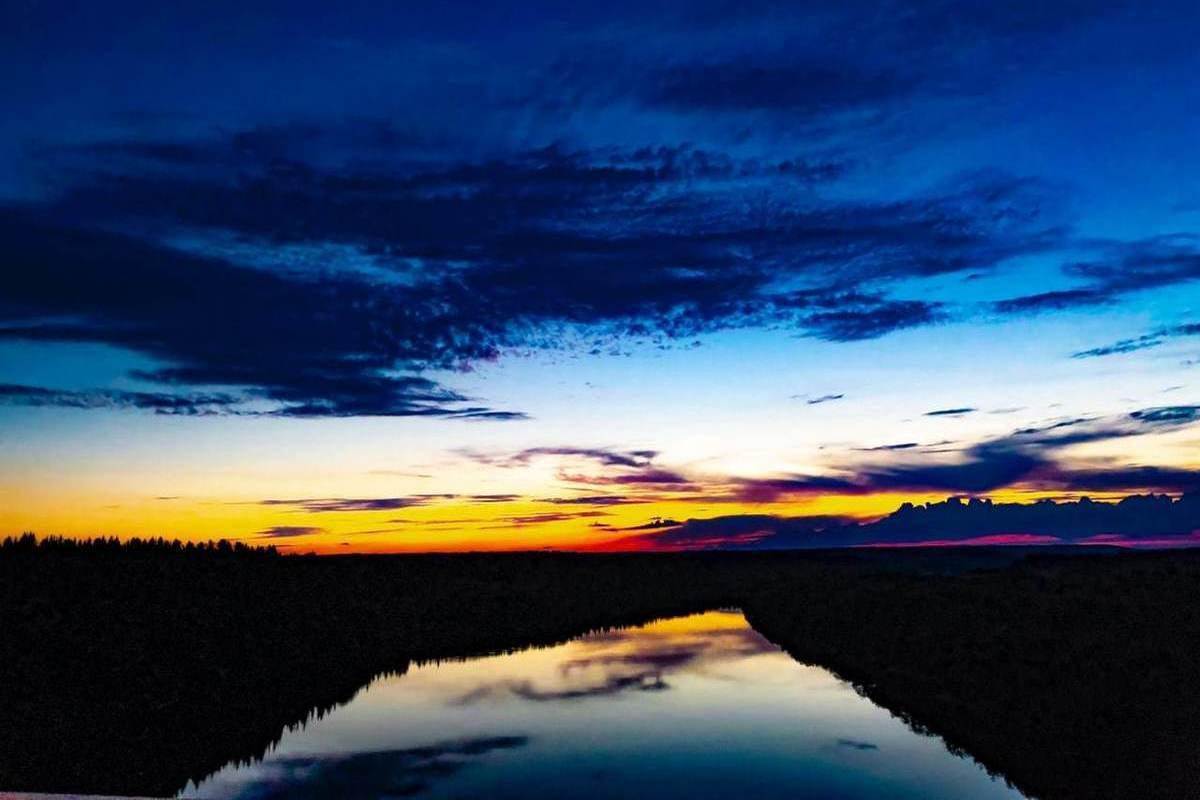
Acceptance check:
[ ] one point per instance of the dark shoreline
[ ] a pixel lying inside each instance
(133, 670)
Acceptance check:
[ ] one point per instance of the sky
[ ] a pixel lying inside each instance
(340, 277)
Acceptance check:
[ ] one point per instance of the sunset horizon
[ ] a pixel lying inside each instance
(409, 281)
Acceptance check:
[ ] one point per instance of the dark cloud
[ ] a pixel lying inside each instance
(768, 490)
(1169, 415)
(1137, 518)
(855, 744)
(185, 404)
(1122, 479)
(1143, 264)
(1143, 342)
(339, 504)
(658, 523)
(616, 468)
(951, 412)
(482, 413)
(288, 531)
(646, 681)
(596, 500)
(984, 467)
(829, 67)
(602, 456)
(327, 347)
(733, 532)
(1054, 301)
(980, 468)
(1118, 269)
(552, 516)
(328, 286)
(645, 475)
(825, 398)
(1081, 430)
(870, 318)
(493, 498)
(1026, 456)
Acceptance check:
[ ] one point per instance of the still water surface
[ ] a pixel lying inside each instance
(696, 707)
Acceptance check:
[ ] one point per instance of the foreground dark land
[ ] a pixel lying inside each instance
(132, 669)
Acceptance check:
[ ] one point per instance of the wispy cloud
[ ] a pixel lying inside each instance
(1143, 342)
(1119, 268)
(819, 399)
(288, 532)
(951, 412)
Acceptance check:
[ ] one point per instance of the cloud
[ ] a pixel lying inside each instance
(731, 532)
(951, 412)
(551, 516)
(596, 500)
(493, 498)
(393, 773)
(604, 456)
(610, 467)
(645, 681)
(1123, 479)
(855, 744)
(841, 68)
(825, 398)
(985, 467)
(1118, 269)
(643, 475)
(980, 468)
(327, 347)
(870, 318)
(1169, 415)
(187, 404)
(1054, 301)
(1143, 342)
(330, 286)
(1081, 430)
(1028, 455)
(1154, 519)
(288, 531)
(481, 413)
(319, 505)
(657, 523)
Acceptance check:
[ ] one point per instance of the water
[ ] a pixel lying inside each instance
(693, 707)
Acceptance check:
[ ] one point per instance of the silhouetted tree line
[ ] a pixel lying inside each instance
(30, 543)
(1072, 675)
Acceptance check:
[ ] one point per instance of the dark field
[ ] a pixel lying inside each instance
(133, 669)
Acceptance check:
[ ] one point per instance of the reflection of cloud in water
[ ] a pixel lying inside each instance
(637, 659)
(855, 744)
(384, 773)
(643, 681)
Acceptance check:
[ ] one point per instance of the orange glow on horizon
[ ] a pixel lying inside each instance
(441, 526)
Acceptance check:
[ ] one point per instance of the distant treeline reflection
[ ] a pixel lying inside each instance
(133, 667)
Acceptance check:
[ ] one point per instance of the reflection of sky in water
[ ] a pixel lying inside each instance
(699, 706)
